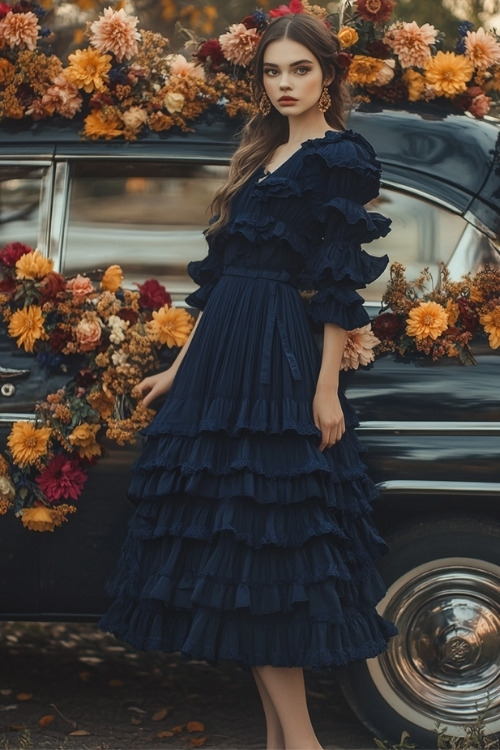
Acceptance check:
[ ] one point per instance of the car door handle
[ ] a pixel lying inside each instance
(8, 373)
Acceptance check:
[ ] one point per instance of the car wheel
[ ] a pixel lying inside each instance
(443, 579)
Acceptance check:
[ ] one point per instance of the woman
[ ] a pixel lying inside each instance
(251, 540)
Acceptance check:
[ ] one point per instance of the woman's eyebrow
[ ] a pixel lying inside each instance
(292, 65)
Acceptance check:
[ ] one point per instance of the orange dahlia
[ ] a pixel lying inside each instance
(103, 123)
(448, 73)
(112, 279)
(364, 70)
(427, 320)
(491, 323)
(26, 326)
(33, 266)
(88, 69)
(28, 443)
(171, 326)
(83, 438)
(39, 518)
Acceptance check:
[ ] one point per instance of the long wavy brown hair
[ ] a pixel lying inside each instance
(262, 135)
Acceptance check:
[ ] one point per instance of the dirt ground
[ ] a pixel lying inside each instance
(69, 687)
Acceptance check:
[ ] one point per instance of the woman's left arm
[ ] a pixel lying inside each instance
(327, 411)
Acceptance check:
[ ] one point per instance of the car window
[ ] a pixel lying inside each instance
(20, 196)
(422, 234)
(147, 217)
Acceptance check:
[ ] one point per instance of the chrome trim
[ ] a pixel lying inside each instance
(174, 158)
(59, 214)
(13, 160)
(10, 418)
(424, 487)
(421, 194)
(44, 210)
(462, 428)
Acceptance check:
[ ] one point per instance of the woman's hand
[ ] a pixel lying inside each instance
(328, 416)
(156, 385)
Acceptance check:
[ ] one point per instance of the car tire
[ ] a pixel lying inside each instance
(442, 672)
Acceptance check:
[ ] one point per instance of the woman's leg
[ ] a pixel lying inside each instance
(275, 737)
(286, 691)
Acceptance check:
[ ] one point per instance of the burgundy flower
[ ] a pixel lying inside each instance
(468, 314)
(377, 48)
(386, 326)
(375, 10)
(12, 252)
(128, 314)
(52, 285)
(250, 22)
(285, 10)
(153, 295)
(7, 284)
(343, 60)
(210, 51)
(99, 101)
(85, 378)
(4, 9)
(63, 479)
(58, 340)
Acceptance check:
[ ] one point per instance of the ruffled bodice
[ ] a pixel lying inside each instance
(307, 218)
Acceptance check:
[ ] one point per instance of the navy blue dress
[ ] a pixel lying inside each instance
(247, 542)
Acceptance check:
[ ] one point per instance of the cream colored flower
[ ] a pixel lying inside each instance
(179, 66)
(482, 49)
(135, 118)
(386, 73)
(115, 32)
(239, 43)
(411, 42)
(174, 101)
(20, 30)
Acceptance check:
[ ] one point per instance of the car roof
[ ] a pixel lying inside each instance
(426, 148)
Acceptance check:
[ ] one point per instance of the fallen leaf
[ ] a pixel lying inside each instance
(46, 720)
(10, 707)
(161, 714)
(195, 726)
(136, 721)
(6, 691)
(79, 733)
(117, 683)
(136, 709)
(84, 676)
(178, 729)
(197, 741)
(164, 735)
(24, 696)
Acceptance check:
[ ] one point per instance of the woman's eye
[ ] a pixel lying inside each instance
(302, 71)
(270, 72)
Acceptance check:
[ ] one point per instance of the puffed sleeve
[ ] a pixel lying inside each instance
(344, 175)
(206, 273)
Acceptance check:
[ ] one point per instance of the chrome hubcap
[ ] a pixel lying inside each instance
(445, 664)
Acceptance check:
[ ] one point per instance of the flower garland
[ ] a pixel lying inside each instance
(127, 81)
(110, 338)
(416, 323)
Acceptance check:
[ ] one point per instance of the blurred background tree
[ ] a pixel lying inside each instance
(207, 19)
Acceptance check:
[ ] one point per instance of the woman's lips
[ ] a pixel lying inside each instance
(287, 100)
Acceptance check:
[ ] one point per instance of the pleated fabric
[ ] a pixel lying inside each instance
(248, 543)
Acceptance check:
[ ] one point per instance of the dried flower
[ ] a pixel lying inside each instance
(491, 323)
(39, 518)
(115, 32)
(88, 333)
(112, 278)
(83, 438)
(27, 442)
(358, 349)
(81, 288)
(62, 97)
(153, 295)
(482, 49)
(480, 105)
(239, 44)
(88, 69)
(103, 123)
(11, 253)
(415, 83)
(364, 70)
(375, 10)
(174, 101)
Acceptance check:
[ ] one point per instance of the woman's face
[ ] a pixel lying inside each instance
(292, 77)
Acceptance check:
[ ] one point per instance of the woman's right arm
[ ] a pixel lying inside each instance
(157, 385)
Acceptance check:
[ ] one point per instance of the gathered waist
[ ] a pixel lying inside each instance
(260, 273)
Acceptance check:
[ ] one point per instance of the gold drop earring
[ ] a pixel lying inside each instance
(325, 100)
(265, 104)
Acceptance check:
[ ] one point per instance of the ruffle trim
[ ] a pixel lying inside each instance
(340, 305)
(276, 640)
(339, 263)
(365, 226)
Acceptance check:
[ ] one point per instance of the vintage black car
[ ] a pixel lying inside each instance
(431, 429)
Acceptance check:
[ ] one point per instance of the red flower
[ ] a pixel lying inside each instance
(52, 285)
(12, 252)
(153, 295)
(210, 51)
(58, 340)
(85, 378)
(377, 48)
(7, 284)
(386, 326)
(375, 10)
(63, 479)
(285, 10)
(468, 314)
(4, 9)
(128, 314)
(343, 60)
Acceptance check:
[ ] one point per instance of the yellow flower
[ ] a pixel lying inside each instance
(83, 438)
(39, 519)
(26, 326)
(28, 443)
(4, 467)
(88, 69)
(33, 266)
(103, 123)
(171, 326)
(347, 37)
(448, 73)
(364, 70)
(491, 323)
(7, 71)
(428, 320)
(415, 83)
(453, 311)
(112, 279)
